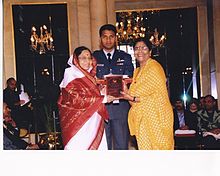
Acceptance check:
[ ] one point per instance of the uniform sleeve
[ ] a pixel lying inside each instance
(129, 68)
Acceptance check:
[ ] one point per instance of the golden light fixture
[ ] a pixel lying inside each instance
(44, 42)
(130, 27)
(156, 41)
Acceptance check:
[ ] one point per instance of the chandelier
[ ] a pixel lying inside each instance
(135, 24)
(44, 42)
(130, 26)
(156, 41)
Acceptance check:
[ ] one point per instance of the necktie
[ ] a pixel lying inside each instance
(109, 58)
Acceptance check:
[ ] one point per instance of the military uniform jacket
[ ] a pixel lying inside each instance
(121, 64)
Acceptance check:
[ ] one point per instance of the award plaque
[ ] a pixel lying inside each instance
(114, 85)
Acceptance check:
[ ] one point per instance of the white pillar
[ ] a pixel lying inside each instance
(204, 64)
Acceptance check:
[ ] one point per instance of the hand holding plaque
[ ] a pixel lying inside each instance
(114, 84)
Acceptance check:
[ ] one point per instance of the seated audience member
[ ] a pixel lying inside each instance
(21, 114)
(193, 106)
(184, 120)
(11, 139)
(209, 124)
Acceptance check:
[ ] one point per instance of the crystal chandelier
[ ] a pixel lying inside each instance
(136, 24)
(130, 27)
(44, 42)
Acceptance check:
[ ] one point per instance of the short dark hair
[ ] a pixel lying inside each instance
(210, 97)
(195, 101)
(109, 27)
(9, 80)
(80, 49)
(178, 98)
(145, 41)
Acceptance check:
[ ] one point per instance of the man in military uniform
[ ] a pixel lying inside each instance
(112, 61)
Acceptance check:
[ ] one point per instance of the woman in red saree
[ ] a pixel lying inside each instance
(81, 108)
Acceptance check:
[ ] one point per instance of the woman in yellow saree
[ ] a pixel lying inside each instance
(150, 118)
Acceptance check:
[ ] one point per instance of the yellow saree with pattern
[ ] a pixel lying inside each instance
(151, 119)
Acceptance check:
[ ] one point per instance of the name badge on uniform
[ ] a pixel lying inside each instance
(100, 65)
(120, 60)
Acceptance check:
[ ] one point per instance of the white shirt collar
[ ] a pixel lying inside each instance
(112, 52)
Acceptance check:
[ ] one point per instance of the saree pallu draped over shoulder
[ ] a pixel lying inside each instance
(81, 109)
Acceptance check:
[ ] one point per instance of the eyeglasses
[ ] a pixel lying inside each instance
(141, 48)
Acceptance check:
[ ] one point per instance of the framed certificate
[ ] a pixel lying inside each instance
(114, 85)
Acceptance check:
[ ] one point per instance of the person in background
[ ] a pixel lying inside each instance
(11, 139)
(193, 106)
(185, 120)
(81, 108)
(21, 114)
(151, 115)
(209, 124)
(112, 61)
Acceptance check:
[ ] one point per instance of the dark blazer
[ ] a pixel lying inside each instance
(21, 114)
(121, 64)
(10, 97)
(10, 133)
(190, 120)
